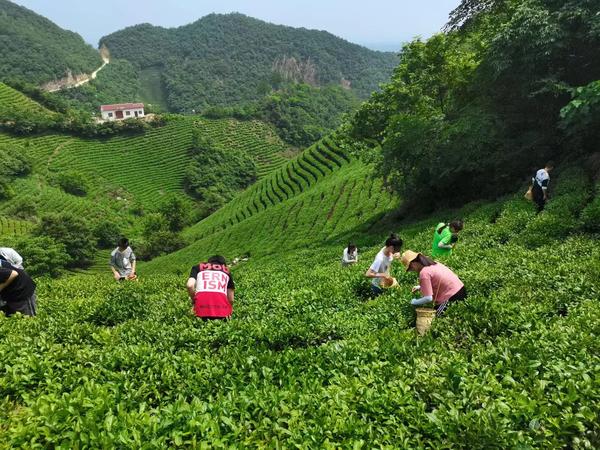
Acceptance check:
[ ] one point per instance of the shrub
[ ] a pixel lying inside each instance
(72, 182)
(73, 232)
(42, 256)
(107, 233)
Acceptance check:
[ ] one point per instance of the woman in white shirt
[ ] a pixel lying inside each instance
(350, 255)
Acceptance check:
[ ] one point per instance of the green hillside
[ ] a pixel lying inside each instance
(309, 361)
(15, 104)
(36, 50)
(135, 168)
(222, 60)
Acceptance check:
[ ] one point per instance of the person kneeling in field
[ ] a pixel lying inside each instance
(437, 283)
(380, 269)
(123, 262)
(211, 289)
(17, 290)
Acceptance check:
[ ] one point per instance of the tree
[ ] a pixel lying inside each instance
(71, 231)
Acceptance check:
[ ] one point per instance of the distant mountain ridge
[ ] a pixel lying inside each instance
(230, 59)
(34, 49)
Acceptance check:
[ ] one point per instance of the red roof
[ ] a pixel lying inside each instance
(121, 107)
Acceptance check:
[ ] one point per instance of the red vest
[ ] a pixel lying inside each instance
(211, 291)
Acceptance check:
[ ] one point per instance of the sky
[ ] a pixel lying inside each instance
(378, 24)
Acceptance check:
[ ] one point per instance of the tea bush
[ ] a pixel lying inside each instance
(308, 360)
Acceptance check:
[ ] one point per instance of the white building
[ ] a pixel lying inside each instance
(122, 111)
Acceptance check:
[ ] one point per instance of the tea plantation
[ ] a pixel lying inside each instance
(121, 172)
(308, 360)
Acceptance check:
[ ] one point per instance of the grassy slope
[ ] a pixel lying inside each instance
(136, 169)
(307, 361)
(11, 100)
(310, 200)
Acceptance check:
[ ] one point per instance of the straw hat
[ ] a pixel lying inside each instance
(407, 257)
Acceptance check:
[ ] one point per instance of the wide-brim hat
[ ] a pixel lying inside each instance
(407, 257)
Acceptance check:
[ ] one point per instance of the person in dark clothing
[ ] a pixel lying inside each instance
(539, 188)
(17, 290)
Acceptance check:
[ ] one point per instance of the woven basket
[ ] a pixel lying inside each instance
(425, 317)
(393, 283)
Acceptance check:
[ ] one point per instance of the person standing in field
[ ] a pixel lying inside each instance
(445, 237)
(123, 261)
(539, 188)
(380, 269)
(437, 282)
(350, 255)
(211, 289)
(17, 291)
(12, 257)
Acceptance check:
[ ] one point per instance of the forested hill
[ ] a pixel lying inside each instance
(232, 59)
(34, 49)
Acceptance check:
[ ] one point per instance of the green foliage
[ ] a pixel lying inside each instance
(43, 256)
(303, 114)
(176, 211)
(216, 173)
(117, 82)
(493, 87)
(71, 231)
(107, 233)
(14, 161)
(224, 60)
(513, 366)
(34, 49)
(72, 182)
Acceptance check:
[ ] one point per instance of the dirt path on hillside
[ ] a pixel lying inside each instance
(72, 81)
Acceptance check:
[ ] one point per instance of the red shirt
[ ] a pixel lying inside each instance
(212, 283)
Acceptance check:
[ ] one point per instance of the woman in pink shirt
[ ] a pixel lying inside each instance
(437, 283)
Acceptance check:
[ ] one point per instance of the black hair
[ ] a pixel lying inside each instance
(123, 242)
(550, 164)
(425, 261)
(457, 224)
(351, 247)
(394, 241)
(217, 259)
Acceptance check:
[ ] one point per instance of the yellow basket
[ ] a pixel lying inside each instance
(425, 317)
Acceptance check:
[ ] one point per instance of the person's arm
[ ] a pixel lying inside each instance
(133, 264)
(446, 241)
(11, 277)
(346, 256)
(372, 274)
(191, 288)
(230, 296)
(425, 288)
(112, 263)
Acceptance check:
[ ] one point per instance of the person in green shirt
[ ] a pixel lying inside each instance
(445, 237)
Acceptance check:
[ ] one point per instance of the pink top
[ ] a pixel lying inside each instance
(439, 282)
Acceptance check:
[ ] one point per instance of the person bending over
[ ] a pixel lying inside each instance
(123, 262)
(380, 269)
(445, 237)
(540, 182)
(17, 290)
(211, 289)
(350, 255)
(11, 256)
(437, 282)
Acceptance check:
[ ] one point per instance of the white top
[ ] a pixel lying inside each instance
(542, 178)
(12, 257)
(381, 264)
(349, 257)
